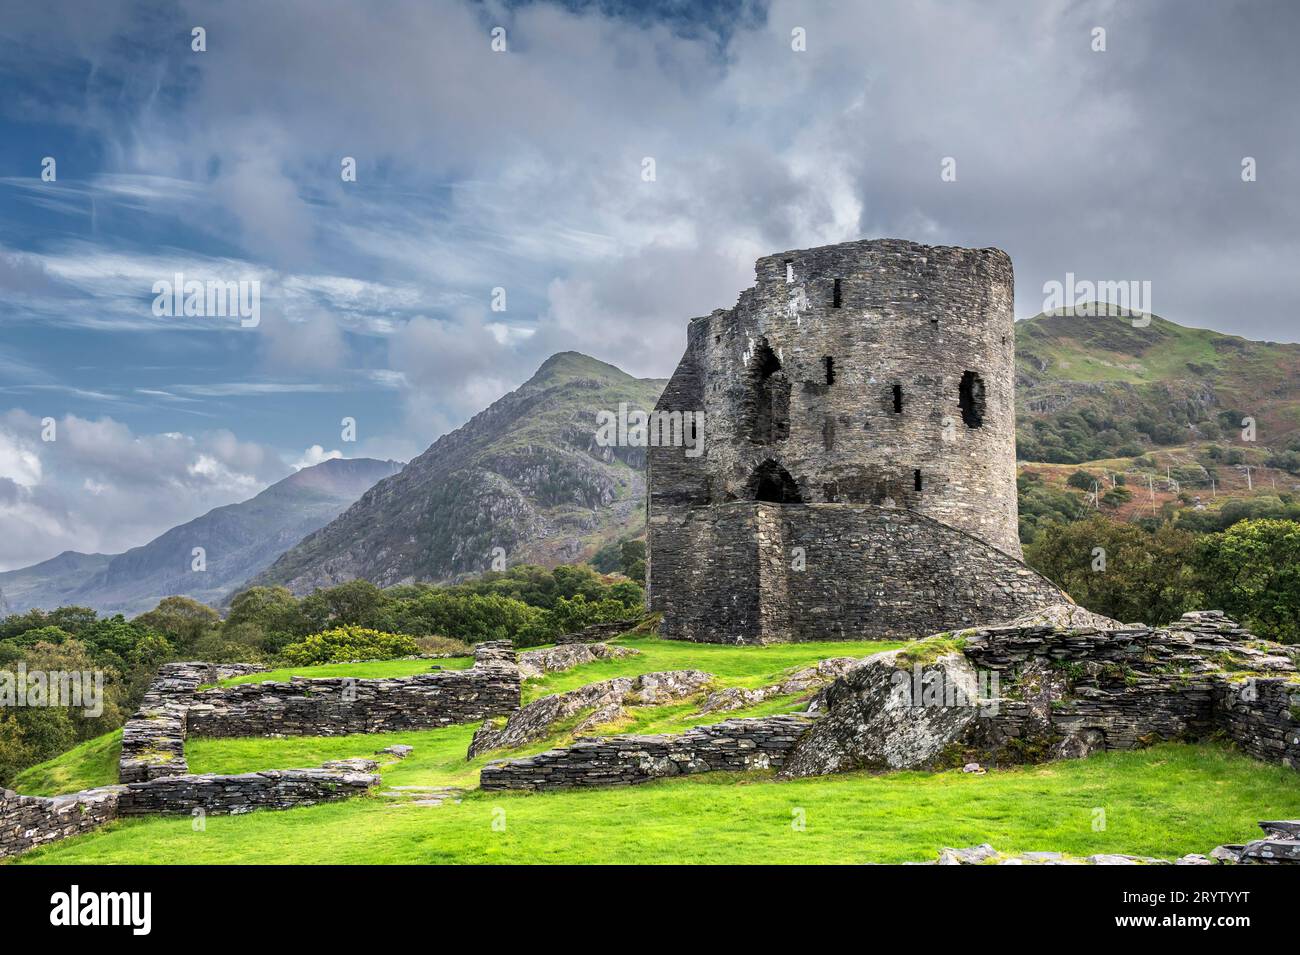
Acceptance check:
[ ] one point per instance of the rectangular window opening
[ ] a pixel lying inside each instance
(829, 364)
(835, 295)
(916, 479)
(898, 399)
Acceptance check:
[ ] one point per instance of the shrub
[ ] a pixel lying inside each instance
(444, 645)
(344, 644)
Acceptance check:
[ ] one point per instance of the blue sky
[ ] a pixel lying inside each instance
(522, 169)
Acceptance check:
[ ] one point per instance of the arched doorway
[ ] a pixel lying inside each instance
(772, 484)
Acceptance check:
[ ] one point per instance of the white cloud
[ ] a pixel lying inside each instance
(315, 455)
(99, 487)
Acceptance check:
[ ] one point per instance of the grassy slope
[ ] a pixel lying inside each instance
(85, 766)
(1163, 801)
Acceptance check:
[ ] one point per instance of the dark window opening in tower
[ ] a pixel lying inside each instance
(772, 484)
(768, 397)
(828, 363)
(898, 399)
(916, 479)
(828, 433)
(971, 399)
(836, 301)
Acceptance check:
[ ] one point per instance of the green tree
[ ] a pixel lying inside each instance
(182, 620)
(1251, 572)
(1121, 570)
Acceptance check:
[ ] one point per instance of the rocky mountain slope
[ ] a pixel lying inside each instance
(525, 475)
(239, 540)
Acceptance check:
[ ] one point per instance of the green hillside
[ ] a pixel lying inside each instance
(1089, 388)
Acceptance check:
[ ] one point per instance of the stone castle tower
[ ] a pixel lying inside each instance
(858, 469)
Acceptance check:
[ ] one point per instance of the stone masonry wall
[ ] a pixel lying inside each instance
(30, 821)
(226, 795)
(907, 315)
(339, 706)
(1070, 692)
(730, 746)
(153, 740)
(867, 572)
(1262, 716)
(874, 375)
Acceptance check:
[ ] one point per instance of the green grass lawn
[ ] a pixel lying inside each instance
(1164, 801)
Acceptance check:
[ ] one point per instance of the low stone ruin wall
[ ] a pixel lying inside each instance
(597, 632)
(30, 821)
(1262, 716)
(339, 706)
(153, 741)
(230, 795)
(730, 746)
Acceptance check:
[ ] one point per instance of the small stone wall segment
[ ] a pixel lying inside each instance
(153, 741)
(730, 746)
(340, 706)
(1262, 716)
(232, 795)
(597, 632)
(30, 821)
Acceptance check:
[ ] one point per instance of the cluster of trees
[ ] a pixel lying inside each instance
(126, 654)
(1155, 572)
(526, 604)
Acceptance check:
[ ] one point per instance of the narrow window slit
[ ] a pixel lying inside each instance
(835, 295)
(829, 364)
(916, 479)
(898, 399)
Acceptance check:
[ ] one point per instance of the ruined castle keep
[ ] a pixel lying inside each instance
(858, 476)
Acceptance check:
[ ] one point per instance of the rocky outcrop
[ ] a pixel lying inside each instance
(535, 663)
(889, 712)
(730, 746)
(605, 701)
(1050, 692)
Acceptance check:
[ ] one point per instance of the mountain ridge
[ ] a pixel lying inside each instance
(239, 540)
